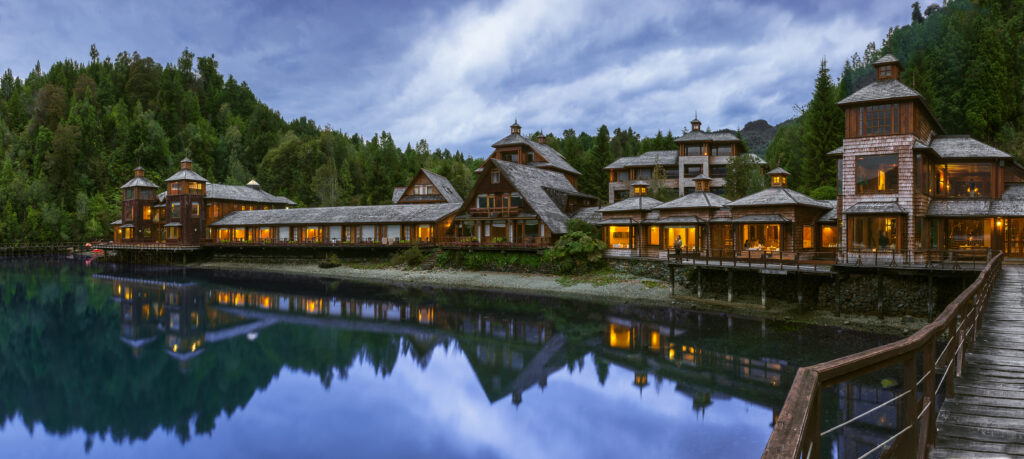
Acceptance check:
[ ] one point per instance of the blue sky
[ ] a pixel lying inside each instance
(457, 73)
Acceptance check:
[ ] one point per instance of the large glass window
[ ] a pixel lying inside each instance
(808, 237)
(619, 237)
(721, 237)
(761, 237)
(721, 150)
(175, 210)
(621, 194)
(719, 171)
(532, 228)
(671, 172)
(654, 236)
(692, 170)
(695, 150)
(644, 174)
(964, 180)
(283, 233)
(829, 236)
(874, 233)
(969, 233)
(481, 201)
(687, 236)
(877, 174)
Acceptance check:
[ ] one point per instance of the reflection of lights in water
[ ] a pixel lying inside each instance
(251, 336)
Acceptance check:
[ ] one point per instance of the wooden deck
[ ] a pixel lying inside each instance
(986, 416)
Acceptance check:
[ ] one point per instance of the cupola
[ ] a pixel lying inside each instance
(702, 183)
(140, 172)
(640, 188)
(695, 124)
(888, 67)
(253, 184)
(542, 139)
(516, 128)
(778, 177)
(186, 164)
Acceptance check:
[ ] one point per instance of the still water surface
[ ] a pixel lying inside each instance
(147, 362)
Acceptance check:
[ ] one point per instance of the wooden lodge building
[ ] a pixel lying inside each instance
(183, 214)
(699, 153)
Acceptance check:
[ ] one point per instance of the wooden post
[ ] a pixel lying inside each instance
(799, 290)
(700, 284)
(764, 292)
(729, 273)
(672, 277)
(905, 445)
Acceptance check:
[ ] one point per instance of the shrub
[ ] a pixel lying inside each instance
(410, 257)
(576, 252)
(582, 226)
(824, 192)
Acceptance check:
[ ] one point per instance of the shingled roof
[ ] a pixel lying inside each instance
(186, 174)
(397, 193)
(696, 200)
(534, 185)
(961, 147)
(633, 203)
(648, 159)
(960, 208)
(387, 213)
(444, 186)
(870, 207)
(553, 157)
(881, 90)
(702, 136)
(140, 182)
(243, 193)
(777, 196)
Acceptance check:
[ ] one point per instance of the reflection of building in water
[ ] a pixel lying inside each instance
(864, 434)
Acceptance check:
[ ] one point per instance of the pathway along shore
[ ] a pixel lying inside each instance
(619, 289)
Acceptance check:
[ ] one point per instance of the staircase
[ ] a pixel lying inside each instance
(430, 260)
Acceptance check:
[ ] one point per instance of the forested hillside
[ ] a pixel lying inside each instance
(965, 57)
(70, 136)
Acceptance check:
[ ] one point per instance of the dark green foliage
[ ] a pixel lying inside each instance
(70, 137)
(824, 132)
(915, 14)
(823, 192)
(743, 176)
(493, 261)
(412, 256)
(577, 225)
(577, 252)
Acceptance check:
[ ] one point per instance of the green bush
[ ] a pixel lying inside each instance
(582, 226)
(493, 261)
(410, 257)
(824, 192)
(577, 252)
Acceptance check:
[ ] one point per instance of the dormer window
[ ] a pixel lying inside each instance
(529, 157)
(495, 177)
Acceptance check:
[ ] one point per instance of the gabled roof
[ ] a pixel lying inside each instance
(531, 183)
(696, 200)
(703, 136)
(633, 203)
(648, 159)
(588, 214)
(140, 182)
(961, 147)
(837, 152)
(553, 157)
(888, 59)
(443, 186)
(243, 193)
(186, 174)
(881, 90)
(777, 196)
(397, 193)
(387, 213)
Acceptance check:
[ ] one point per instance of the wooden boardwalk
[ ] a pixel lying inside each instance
(986, 416)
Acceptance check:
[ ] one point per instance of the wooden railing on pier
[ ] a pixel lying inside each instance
(35, 248)
(798, 430)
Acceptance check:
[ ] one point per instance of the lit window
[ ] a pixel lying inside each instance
(878, 174)
(195, 209)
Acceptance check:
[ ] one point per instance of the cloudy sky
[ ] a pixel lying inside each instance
(457, 73)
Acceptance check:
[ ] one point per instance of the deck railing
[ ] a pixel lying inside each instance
(798, 430)
(765, 259)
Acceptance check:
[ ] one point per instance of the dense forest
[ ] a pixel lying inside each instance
(965, 57)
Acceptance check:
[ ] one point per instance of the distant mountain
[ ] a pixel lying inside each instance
(758, 134)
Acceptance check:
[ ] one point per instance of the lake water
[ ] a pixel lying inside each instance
(147, 362)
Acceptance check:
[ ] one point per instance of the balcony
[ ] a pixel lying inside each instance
(495, 211)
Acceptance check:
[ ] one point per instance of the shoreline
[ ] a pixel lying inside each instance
(623, 289)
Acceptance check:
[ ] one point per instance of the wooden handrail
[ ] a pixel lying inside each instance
(797, 429)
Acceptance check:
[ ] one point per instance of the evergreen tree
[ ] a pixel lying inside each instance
(915, 15)
(824, 122)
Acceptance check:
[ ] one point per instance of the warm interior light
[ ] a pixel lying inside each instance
(881, 180)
